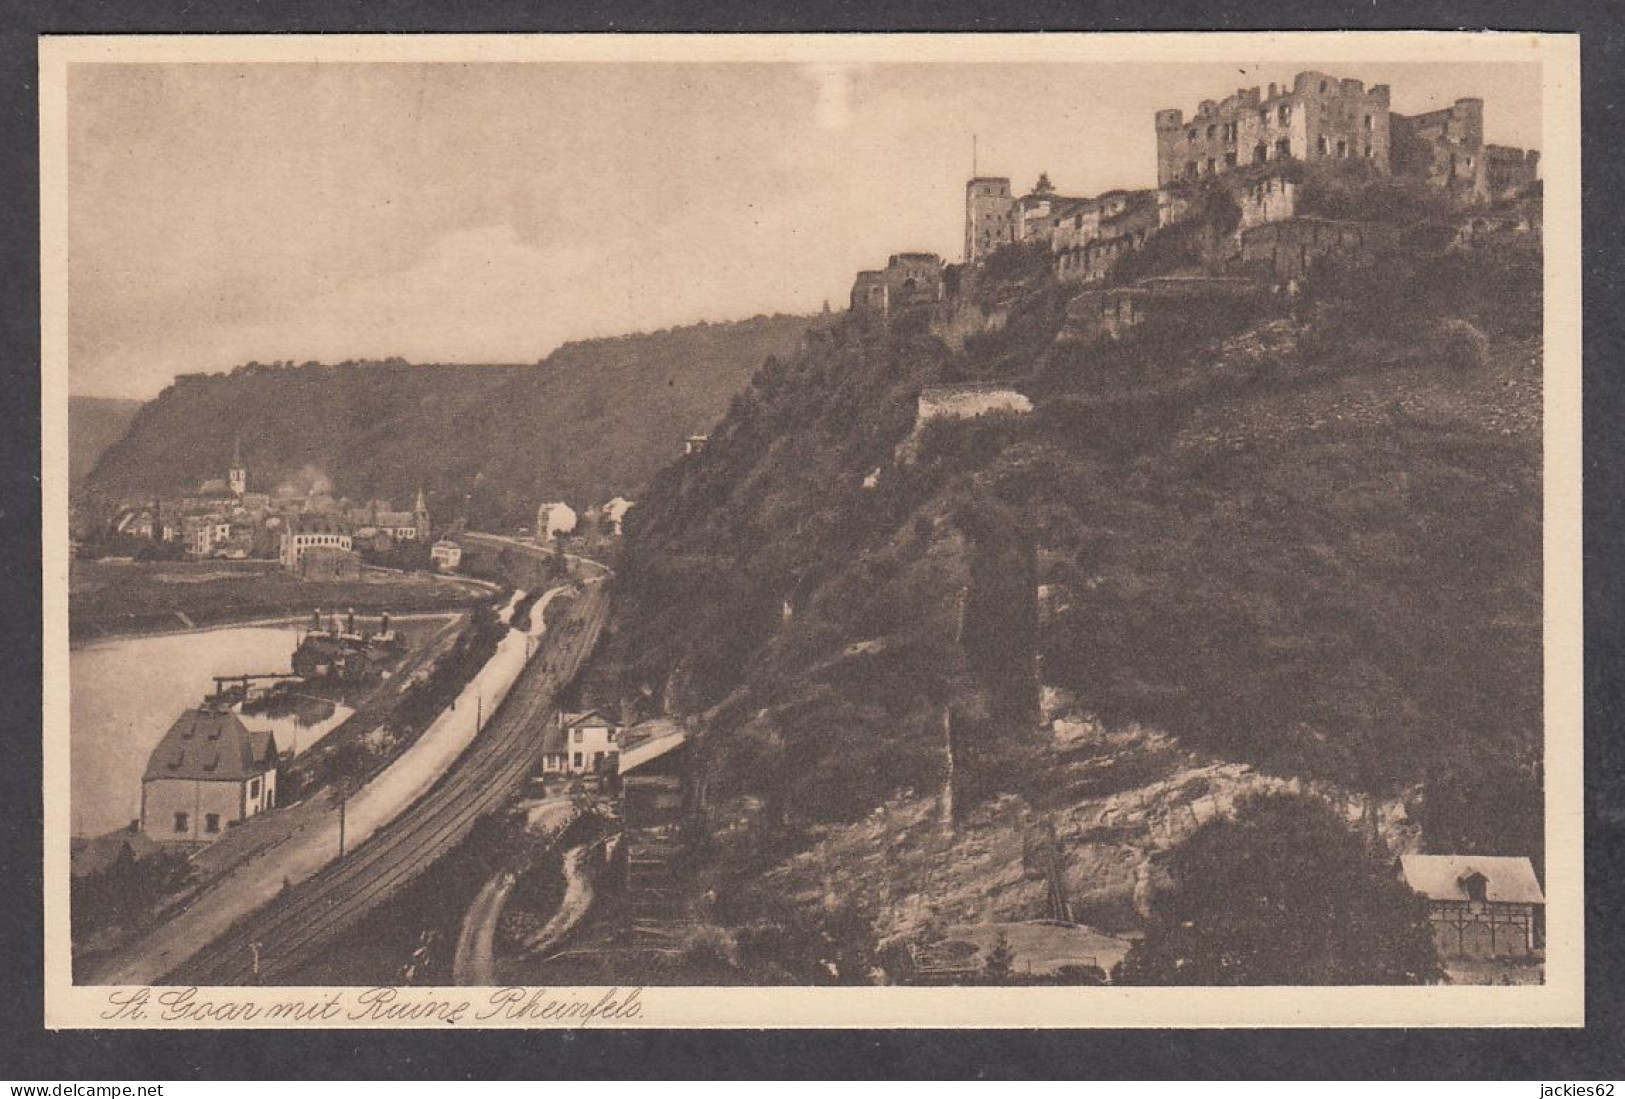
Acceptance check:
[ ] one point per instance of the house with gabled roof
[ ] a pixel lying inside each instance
(1481, 906)
(208, 773)
(587, 743)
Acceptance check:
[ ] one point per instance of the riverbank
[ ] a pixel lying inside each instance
(314, 843)
(138, 599)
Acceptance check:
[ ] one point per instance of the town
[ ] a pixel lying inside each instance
(559, 810)
(307, 529)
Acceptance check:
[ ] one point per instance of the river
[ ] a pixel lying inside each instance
(127, 691)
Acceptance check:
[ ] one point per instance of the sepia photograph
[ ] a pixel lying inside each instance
(1065, 530)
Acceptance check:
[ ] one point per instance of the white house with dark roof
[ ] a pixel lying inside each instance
(209, 772)
(1481, 906)
(581, 744)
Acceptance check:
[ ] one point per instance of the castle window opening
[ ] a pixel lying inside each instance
(1230, 160)
(1342, 148)
(1261, 153)
(211, 823)
(1320, 144)
(1212, 130)
(1368, 122)
(1212, 165)
(182, 823)
(1283, 149)
(1284, 114)
(1322, 87)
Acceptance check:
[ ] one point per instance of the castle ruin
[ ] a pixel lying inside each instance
(1245, 142)
(1318, 117)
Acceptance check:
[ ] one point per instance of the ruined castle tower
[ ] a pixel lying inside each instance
(990, 216)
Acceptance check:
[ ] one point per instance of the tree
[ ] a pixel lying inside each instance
(1282, 893)
(1043, 186)
(1000, 961)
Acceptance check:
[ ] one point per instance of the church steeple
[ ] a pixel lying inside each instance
(420, 516)
(238, 474)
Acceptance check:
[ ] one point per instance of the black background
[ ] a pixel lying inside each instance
(28, 1053)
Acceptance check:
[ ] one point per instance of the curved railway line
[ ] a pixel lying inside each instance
(298, 925)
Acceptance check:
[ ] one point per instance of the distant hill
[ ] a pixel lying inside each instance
(94, 424)
(595, 418)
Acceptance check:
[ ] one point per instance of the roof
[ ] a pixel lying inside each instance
(650, 750)
(941, 388)
(317, 524)
(1511, 880)
(586, 717)
(211, 745)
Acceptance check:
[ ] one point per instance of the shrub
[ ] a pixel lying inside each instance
(1459, 345)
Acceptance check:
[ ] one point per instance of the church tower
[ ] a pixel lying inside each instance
(420, 516)
(238, 474)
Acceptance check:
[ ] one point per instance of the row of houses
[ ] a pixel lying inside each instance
(557, 517)
(227, 518)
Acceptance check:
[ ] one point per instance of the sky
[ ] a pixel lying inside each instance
(450, 212)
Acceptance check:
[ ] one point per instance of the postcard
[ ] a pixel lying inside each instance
(1064, 530)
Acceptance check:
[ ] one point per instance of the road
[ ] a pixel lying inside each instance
(586, 564)
(573, 906)
(294, 901)
(475, 961)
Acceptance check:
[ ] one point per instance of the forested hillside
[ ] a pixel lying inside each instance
(94, 424)
(593, 419)
(1302, 536)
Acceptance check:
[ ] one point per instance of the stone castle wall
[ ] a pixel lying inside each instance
(1318, 117)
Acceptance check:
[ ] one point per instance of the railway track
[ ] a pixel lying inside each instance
(307, 918)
